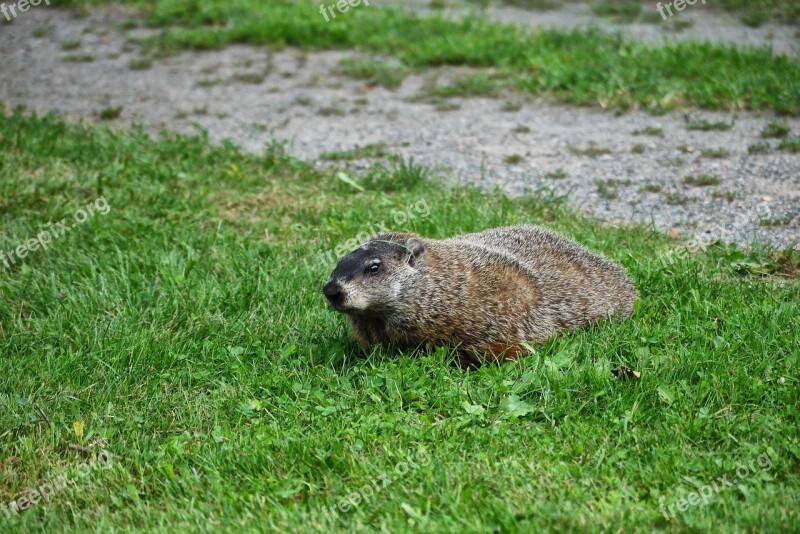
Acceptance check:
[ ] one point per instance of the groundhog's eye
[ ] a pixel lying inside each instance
(374, 268)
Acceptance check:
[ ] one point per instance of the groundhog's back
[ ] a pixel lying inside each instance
(523, 283)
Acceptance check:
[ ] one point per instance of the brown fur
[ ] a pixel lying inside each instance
(486, 292)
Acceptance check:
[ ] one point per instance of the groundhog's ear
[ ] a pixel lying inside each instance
(415, 250)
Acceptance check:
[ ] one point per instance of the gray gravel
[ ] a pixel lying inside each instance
(303, 101)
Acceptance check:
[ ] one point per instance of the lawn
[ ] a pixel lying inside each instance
(180, 328)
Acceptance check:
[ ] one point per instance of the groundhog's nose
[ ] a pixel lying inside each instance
(333, 292)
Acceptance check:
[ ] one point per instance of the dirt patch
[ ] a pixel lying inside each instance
(704, 174)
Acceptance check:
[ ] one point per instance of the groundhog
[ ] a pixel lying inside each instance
(485, 293)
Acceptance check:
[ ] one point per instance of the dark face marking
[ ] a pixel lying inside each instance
(353, 264)
(360, 261)
(359, 281)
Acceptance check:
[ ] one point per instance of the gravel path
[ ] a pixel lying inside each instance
(252, 95)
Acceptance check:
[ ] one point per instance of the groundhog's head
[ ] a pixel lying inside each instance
(371, 278)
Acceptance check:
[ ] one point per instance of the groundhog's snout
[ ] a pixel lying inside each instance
(333, 292)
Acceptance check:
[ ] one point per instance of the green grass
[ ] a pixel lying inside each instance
(140, 63)
(717, 153)
(675, 198)
(184, 330)
(756, 12)
(777, 221)
(591, 151)
(510, 106)
(776, 129)
(729, 196)
(72, 44)
(255, 78)
(126, 25)
(41, 31)
(557, 174)
(609, 188)
(606, 191)
(790, 144)
(375, 71)
(622, 10)
(580, 66)
(110, 113)
(754, 19)
(331, 111)
(77, 58)
(465, 86)
(650, 188)
(373, 150)
(527, 4)
(761, 147)
(701, 180)
(676, 25)
(650, 130)
(753, 12)
(705, 125)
